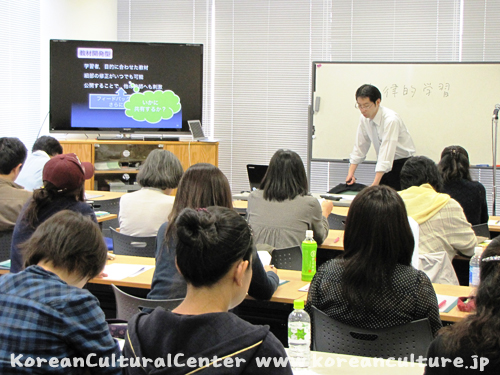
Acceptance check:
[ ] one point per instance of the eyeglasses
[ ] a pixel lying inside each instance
(364, 106)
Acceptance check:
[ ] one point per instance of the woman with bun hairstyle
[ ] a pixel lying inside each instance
(473, 344)
(457, 183)
(202, 185)
(63, 189)
(214, 255)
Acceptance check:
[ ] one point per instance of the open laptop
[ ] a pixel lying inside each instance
(255, 175)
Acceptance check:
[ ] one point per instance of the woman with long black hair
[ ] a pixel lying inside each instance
(372, 284)
(473, 344)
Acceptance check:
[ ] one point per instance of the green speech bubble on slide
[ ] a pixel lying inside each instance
(152, 106)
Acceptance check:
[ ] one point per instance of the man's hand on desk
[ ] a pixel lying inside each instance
(271, 268)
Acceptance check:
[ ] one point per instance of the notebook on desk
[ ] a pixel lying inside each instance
(255, 175)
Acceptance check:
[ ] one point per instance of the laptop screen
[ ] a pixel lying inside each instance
(255, 175)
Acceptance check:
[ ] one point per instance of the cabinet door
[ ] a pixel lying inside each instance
(195, 152)
(85, 152)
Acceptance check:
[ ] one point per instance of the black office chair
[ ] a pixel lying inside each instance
(113, 207)
(128, 305)
(287, 259)
(336, 221)
(332, 336)
(5, 243)
(131, 245)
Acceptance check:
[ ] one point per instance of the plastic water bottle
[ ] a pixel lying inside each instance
(309, 250)
(299, 336)
(474, 267)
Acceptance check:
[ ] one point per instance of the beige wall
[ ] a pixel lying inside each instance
(72, 19)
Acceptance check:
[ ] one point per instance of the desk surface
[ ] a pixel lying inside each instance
(494, 227)
(100, 219)
(334, 241)
(97, 195)
(285, 293)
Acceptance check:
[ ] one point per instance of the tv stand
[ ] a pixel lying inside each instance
(124, 152)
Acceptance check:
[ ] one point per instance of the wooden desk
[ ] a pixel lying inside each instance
(100, 219)
(289, 292)
(285, 293)
(331, 242)
(455, 314)
(494, 227)
(103, 195)
(142, 281)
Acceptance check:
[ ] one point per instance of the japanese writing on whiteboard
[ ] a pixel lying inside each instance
(428, 89)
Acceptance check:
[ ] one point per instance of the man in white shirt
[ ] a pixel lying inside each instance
(385, 129)
(43, 149)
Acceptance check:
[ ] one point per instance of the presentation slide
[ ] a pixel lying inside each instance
(113, 85)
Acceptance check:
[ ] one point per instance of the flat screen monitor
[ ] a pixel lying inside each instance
(124, 87)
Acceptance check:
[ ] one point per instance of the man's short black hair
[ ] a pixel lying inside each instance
(419, 170)
(368, 91)
(48, 144)
(12, 153)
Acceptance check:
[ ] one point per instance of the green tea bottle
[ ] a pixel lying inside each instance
(309, 250)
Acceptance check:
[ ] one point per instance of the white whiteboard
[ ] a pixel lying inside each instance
(441, 104)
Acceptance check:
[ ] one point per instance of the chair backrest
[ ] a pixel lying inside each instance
(128, 305)
(130, 245)
(5, 243)
(332, 336)
(482, 230)
(336, 221)
(287, 259)
(113, 207)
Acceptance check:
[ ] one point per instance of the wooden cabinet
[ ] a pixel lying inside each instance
(126, 156)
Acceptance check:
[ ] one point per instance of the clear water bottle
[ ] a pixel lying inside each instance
(309, 251)
(299, 336)
(474, 267)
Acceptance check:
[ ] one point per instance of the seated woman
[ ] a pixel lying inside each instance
(63, 189)
(159, 175)
(473, 342)
(457, 182)
(372, 285)
(282, 210)
(46, 315)
(214, 254)
(441, 220)
(202, 185)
